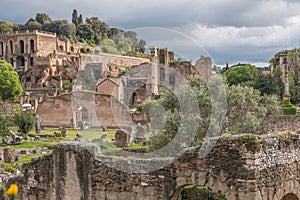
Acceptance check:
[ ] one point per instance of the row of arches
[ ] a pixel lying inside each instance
(187, 192)
(21, 45)
(21, 61)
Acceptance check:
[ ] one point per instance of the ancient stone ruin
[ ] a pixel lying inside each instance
(242, 167)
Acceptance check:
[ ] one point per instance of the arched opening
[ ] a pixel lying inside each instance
(290, 196)
(133, 98)
(187, 192)
(82, 117)
(1, 48)
(11, 61)
(20, 63)
(61, 48)
(31, 46)
(11, 46)
(72, 49)
(22, 46)
(31, 61)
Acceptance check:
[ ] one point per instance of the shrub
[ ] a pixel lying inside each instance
(4, 126)
(24, 121)
(288, 108)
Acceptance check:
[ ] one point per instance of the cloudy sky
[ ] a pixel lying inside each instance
(230, 31)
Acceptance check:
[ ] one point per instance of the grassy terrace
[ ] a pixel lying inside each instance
(90, 134)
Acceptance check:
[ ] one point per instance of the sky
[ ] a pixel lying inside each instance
(232, 31)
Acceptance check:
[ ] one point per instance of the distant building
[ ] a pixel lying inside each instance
(40, 57)
(281, 62)
(204, 66)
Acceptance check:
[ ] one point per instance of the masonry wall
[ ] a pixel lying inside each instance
(283, 123)
(243, 167)
(101, 110)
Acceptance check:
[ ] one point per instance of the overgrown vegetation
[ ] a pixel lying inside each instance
(246, 111)
(24, 121)
(288, 108)
(199, 192)
(4, 126)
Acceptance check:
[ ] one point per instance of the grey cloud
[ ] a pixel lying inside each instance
(228, 29)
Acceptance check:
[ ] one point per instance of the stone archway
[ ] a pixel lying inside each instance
(290, 196)
(22, 48)
(186, 192)
(1, 48)
(31, 46)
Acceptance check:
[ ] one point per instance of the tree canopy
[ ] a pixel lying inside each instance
(10, 87)
(245, 75)
(245, 113)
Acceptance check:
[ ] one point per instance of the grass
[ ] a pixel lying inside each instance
(31, 144)
(8, 167)
(110, 148)
(71, 134)
(27, 158)
(137, 146)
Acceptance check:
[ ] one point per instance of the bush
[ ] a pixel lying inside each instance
(4, 126)
(288, 108)
(24, 121)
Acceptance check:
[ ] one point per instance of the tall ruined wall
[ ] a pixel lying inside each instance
(243, 167)
(97, 109)
(56, 111)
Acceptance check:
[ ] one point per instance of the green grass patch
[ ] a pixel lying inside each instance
(137, 146)
(108, 148)
(27, 158)
(8, 167)
(32, 144)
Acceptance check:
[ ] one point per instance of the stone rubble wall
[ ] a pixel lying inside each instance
(242, 167)
(283, 123)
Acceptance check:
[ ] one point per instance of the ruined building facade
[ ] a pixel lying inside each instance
(40, 58)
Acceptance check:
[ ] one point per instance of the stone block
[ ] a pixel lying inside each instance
(123, 138)
(9, 155)
(31, 197)
(99, 195)
(111, 195)
(250, 196)
(126, 195)
(201, 178)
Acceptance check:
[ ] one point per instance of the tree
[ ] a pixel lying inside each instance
(100, 28)
(68, 30)
(24, 121)
(4, 126)
(33, 25)
(108, 46)
(269, 84)
(245, 75)
(7, 27)
(246, 111)
(141, 46)
(80, 20)
(10, 87)
(75, 18)
(293, 62)
(42, 18)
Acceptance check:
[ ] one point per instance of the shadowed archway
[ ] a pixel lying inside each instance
(290, 196)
